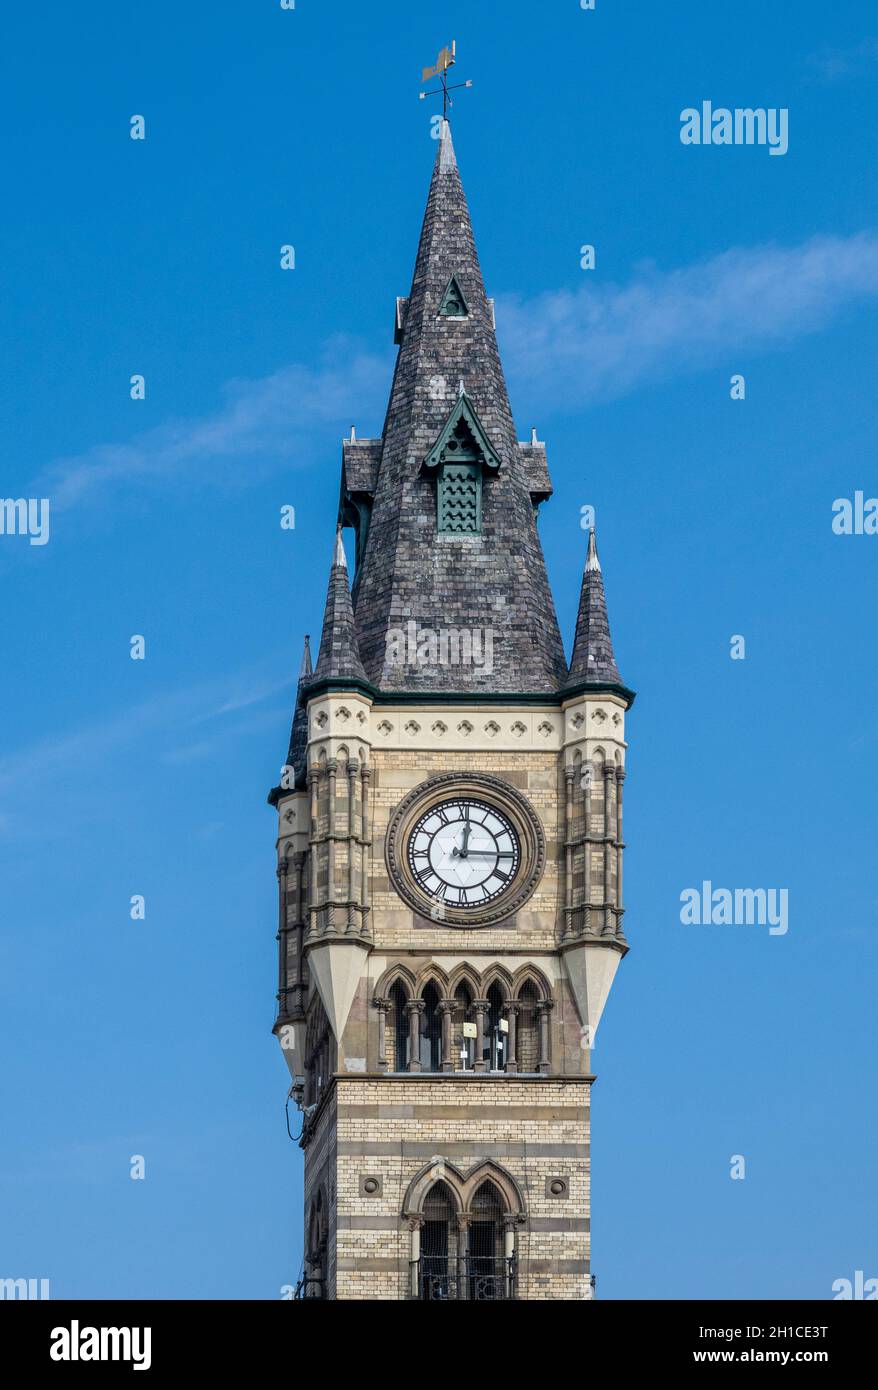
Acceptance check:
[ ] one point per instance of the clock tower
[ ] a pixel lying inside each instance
(449, 839)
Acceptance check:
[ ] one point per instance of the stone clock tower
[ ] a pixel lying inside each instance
(449, 840)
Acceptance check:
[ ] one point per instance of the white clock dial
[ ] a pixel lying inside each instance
(463, 852)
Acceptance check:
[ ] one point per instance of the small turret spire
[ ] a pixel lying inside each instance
(593, 661)
(339, 655)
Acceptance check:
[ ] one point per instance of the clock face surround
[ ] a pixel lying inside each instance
(464, 849)
(463, 852)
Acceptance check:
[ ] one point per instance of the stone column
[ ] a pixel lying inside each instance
(509, 1224)
(609, 836)
(383, 1008)
(282, 930)
(544, 1008)
(463, 1220)
(299, 860)
(620, 778)
(314, 785)
(331, 770)
(513, 1009)
(415, 1224)
(588, 777)
(480, 1007)
(365, 835)
(446, 1011)
(569, 775)
(353, 769)
(414, 1008)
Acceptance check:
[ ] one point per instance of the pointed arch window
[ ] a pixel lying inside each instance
(528, 1041)
(431, 1031)
(397, 1034)
(461, 456)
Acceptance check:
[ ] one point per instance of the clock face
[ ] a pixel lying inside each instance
(463, 852)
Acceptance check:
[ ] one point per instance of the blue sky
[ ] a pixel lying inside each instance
(267, 127)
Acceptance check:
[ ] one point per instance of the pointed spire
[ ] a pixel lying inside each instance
(593, 661)
(299, 731)
(298, 745)
(339, 655)
(405, 567)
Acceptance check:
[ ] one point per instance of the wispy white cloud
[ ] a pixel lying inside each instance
(836, 64)
(569, 348)
(562, 349)
(272, 419)
(168, 716)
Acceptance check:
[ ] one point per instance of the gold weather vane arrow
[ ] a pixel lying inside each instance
(446, 59)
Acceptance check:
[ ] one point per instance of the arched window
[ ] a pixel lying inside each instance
(495, 1037)
(431, 1031)
(486, 1267)
(437, 1275)
(397, 1030)
(528, 1043)
(464, 1047)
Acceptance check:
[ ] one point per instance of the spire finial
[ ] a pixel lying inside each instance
(591, 560)
(340, 557)
(446, 59)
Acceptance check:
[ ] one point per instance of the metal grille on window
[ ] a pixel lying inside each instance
(464, 1046)
(487, 1272)
(528, 1037)
(495, 1031)
(397, 1030)
(431, 1031)
(438, 1264)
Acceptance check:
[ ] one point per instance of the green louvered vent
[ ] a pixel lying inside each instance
(453, 305)
(460, 499)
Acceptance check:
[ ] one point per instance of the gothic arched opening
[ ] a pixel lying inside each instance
(397, 1034)
(463, 1011)
(438, 1262)
(528, 1043)
(431, 1030)
(486, 1265)
(495, 1035)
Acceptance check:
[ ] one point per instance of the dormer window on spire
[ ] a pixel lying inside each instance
(460, 457)
(454, 305)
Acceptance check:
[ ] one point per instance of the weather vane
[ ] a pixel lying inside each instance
(446, 60)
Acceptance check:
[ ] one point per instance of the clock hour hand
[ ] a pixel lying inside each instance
(463, 852)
